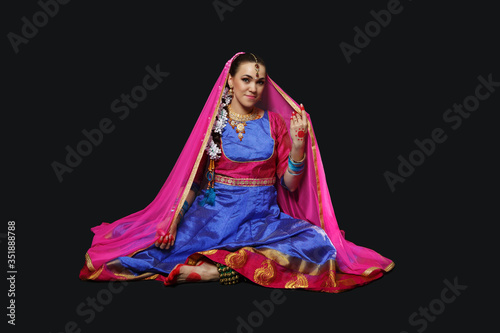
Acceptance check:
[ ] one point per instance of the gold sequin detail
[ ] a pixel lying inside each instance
(236, 259)
(297, 281)
(265, 274)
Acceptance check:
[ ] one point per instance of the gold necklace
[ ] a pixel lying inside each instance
(239, 120)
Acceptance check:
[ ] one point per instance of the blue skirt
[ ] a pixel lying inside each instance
(241, 217)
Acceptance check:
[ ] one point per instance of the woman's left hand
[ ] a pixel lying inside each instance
(298, 127)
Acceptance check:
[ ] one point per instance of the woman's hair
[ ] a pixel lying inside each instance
(242, 58)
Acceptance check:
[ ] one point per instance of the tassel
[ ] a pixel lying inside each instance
(208, 198)
(210, 195)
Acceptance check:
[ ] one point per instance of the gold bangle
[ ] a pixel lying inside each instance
(294, 161)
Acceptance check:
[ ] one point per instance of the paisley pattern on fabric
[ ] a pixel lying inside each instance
(297, 281)
(236, 259)
(265, 274)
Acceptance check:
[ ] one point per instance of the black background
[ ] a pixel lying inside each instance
(435, 226)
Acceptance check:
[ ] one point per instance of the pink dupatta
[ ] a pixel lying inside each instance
(138, 231)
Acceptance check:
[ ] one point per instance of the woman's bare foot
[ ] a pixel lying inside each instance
(187, 273)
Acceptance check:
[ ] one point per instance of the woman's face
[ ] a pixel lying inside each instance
(247, 87)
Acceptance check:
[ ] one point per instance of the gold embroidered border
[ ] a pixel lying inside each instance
(117, 269)
(88, 261)
(294, 263)
(370, 270)
(248, 182)
(200, 153)
(318, 186)
(94, 275)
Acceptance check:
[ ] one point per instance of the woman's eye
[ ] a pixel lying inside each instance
(261, 83)
(246, 80)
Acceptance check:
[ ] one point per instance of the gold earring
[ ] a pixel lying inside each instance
(230, 91)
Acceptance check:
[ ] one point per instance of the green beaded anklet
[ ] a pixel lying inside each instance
(227, 275)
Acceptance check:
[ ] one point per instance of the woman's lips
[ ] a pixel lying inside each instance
(250, 97)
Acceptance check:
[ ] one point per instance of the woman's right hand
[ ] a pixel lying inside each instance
(166, 241)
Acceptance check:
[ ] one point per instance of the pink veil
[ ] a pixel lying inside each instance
(138, 231)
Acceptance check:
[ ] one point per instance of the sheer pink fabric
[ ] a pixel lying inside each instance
(139, 230)
(312, 200)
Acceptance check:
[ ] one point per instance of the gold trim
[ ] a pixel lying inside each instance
(286, 97)
(208, 252)
(295, 263)
(390, 266)
(88, 262)
(318, 184)
(285, 260)
(246, 182)
(200, 154)
(330, 280)
(94, 275)
(116, 268)
(370, 270)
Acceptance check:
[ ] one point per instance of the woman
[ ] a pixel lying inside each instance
(263, 212)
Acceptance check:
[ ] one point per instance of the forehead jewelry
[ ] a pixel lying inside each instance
(256, 65)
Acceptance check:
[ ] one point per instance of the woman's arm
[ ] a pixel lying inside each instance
(168, 240)
(292, 180)
(298, 131)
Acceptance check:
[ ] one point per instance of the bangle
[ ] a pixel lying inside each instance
(184, 209)
(295, 173)
(299, 162)
(296, 168)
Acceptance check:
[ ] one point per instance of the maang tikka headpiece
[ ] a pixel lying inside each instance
(256, 65)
